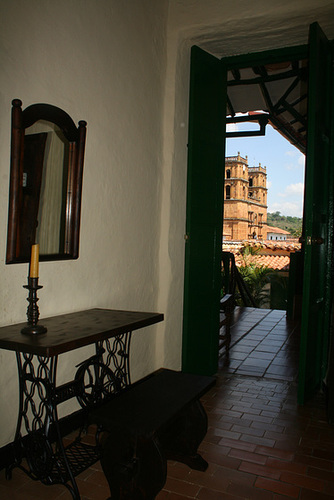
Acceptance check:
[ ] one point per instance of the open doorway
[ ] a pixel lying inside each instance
(262, 186)
(267, 109)
(206, 156)
(263, 210)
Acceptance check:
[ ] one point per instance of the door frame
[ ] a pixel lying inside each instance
(243, 61)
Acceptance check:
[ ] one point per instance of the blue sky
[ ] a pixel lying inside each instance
(285, 167)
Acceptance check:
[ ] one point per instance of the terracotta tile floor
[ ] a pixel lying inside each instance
(260, 445)
(263, 344)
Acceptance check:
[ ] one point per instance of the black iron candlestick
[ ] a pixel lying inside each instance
(32, 311)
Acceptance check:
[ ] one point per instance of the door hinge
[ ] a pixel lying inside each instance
(311, 240)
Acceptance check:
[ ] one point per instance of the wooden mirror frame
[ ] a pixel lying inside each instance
(21, 120)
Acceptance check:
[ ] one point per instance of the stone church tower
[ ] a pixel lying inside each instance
(245, 200)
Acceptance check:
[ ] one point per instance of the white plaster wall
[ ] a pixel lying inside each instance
(227, 28)
(103, 62)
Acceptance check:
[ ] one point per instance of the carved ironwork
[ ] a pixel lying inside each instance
(116, 356)
(37, 413)
(40, 456)
(37, 375)
(67, 391)
(97, 379)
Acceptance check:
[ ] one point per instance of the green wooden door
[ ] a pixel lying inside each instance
(203, 241)
(318, 219)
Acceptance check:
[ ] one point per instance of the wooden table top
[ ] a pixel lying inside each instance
(71, 331)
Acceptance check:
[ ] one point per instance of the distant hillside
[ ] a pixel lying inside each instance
(291, 224)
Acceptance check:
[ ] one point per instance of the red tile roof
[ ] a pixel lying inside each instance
(273, 229)
(277, 262)
(272, 254)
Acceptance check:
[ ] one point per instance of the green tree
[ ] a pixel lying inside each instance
(255, 275)
(291, 224)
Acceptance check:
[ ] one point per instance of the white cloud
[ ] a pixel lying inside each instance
(293, 189)
(294, 209)
(290, 201)
(298, 160)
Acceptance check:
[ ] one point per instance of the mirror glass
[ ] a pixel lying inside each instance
(46, 178)
(45, 148)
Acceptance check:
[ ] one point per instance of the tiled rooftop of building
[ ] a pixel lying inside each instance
(272, 254)
(277, 262)
(291, 245)
(278, 230)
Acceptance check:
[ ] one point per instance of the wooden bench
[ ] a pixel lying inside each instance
(155, 419)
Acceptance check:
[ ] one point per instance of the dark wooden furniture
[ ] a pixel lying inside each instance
(29, 159)
(158, 418)
(97, 378)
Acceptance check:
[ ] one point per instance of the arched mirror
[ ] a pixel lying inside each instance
(47, 155)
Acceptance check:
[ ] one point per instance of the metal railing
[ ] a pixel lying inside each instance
(232, 280)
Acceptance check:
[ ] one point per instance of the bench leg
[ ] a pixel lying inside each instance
(136, 469)
(183, 438)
